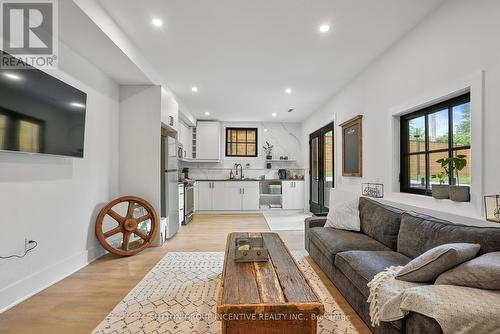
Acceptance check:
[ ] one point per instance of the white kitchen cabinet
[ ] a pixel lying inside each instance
(169, 109)
(241, 195)
(211, 196)
(228, 195)
(218, 196)
(250, 196)
(204, 196)
(185, 138)
(233, 192)
(208, 135)
(292, 195)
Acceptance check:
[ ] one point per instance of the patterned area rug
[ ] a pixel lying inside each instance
(179, 296)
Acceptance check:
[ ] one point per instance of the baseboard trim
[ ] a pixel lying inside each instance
(21, 290)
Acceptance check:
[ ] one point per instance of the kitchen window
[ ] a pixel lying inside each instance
(438, 131)
(241, 142)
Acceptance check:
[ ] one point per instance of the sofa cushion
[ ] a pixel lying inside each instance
(361, 266)
(483, 272)
(344, 216)
(331, 241)
(428, 266)
(419, 233)
(381, 222)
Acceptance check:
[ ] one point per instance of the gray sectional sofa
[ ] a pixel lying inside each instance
(388, 237)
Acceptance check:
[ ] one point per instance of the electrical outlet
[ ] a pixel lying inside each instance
(26, 244)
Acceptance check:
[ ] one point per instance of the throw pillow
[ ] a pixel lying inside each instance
(428, 266)
(344, 216)
(483, 272)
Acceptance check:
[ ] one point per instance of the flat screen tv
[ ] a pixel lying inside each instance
(40, 114)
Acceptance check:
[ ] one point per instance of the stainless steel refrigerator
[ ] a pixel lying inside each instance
(169, 180)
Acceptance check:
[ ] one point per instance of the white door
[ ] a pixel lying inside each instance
(208, 140)
(205, 195)
(250, 196)
(292, 195)
(218, 196)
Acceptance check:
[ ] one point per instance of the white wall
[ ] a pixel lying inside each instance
(140, 140)
(55, 200)
(451, 45)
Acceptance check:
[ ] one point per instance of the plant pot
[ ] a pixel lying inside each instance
(440, 191)
(269, 157)
(460, 193)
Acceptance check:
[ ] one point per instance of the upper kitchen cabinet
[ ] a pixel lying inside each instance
(208, 135)
(185, 139)
(169, 110)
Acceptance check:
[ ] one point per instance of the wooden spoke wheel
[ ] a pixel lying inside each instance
(138, 226)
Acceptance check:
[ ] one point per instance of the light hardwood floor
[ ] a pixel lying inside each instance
(78, 303)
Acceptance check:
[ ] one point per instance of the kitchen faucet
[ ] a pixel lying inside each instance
(241, 170)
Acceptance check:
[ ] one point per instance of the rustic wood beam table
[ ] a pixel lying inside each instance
(266, 297)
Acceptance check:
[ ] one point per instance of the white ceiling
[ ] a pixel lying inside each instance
(242, 54)
(80, 33)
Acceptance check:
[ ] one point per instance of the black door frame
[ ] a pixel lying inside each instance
(320, 208)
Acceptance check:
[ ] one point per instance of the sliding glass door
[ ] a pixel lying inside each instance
(321, 168)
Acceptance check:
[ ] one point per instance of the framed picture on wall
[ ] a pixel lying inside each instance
(352, 147)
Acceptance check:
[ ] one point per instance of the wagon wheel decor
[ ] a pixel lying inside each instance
(130, 232)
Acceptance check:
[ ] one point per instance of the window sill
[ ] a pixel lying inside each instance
(457, 212)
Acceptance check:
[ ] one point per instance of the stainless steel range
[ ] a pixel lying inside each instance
(188, 201)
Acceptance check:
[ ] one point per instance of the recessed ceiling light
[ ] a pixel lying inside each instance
(288, 91)
(207, 113)
(12, 76)
(265, 130)
(157, 22)
(324, 28)
(273, 114)
(194, 89)
(77, 105)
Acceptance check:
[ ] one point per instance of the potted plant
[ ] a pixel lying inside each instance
(441, 190)
(453, 166)
(268, 148)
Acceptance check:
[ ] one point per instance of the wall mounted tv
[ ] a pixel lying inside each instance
(40, 114)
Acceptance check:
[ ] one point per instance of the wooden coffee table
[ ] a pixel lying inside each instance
(266, 297)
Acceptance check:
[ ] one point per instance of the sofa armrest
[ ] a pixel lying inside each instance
(309, 223)
(314, 221)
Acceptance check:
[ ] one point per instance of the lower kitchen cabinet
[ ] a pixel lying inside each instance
(292, 195)
(233, 193)
(250, 196)
(228, 195)
(219, 196)
(204, 196)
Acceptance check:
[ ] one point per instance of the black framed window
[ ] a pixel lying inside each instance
(427, 135)
(241, 142)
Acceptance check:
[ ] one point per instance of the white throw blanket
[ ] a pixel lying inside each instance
(458, 310)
